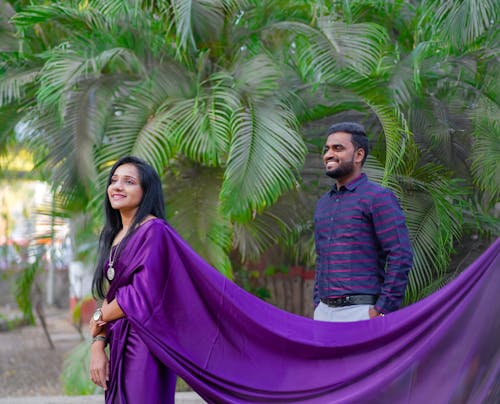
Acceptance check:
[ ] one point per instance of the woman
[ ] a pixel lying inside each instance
(128, 278)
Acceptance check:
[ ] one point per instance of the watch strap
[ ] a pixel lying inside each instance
(99, 338)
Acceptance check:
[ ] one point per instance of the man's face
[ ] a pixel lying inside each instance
(339, 155)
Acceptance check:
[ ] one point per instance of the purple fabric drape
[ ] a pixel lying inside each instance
(232, 347)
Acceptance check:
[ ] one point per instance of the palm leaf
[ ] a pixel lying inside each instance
(434, 216)
(200, 126)
(397, 137)
(8, 40)
(89, 106)
(140, 125)
(197, 19)
(336, 45)
(73, 18)
(9, 117)
(265, 150)
(462, 23)
(66, 67)
(485, 160)
(193, 209)
(256, 79)
(13, 84)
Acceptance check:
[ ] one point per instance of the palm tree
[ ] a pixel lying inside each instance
(421, 92)
(215, 95)
(100, 94)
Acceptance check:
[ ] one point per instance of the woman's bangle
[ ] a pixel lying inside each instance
(98, 338)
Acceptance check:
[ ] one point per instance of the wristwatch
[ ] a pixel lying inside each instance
(97, 316)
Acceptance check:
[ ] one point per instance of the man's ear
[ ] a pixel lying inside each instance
(359, 155)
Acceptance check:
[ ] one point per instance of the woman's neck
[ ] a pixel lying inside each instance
(127, 219)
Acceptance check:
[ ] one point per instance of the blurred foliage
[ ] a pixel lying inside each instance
(230, 102)
(75, 375)
(24, 287)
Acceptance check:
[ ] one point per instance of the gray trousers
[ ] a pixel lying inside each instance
(357, 312)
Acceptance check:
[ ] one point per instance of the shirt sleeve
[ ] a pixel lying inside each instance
(315, 292)
(392, 234)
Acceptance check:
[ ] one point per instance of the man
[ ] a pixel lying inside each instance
(362, 244)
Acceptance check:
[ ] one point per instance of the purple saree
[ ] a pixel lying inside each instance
(232, 347)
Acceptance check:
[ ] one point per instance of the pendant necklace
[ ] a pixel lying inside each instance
(112, 259)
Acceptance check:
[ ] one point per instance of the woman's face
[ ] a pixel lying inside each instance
(125, 190)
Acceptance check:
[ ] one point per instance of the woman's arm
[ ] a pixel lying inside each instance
(109, 312)
(99, 364)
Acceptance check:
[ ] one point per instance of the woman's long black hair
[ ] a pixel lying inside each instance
(152, 203)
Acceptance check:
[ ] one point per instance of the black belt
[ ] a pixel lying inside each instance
(349, 300)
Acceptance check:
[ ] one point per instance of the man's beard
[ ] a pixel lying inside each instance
(343, 170)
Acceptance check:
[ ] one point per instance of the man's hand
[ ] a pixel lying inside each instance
(373, 313)
(99, 364)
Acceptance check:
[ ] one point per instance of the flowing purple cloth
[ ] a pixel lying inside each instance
(232, 347)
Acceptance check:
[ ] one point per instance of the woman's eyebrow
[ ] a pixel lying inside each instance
(124, 176)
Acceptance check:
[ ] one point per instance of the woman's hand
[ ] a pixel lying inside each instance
(99, 364)
(96, 328)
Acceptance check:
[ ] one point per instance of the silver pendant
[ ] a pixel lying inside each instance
(111, 273)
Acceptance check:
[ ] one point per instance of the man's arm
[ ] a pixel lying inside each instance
(393, 237)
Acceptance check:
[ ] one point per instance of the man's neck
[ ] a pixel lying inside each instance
(342, 182)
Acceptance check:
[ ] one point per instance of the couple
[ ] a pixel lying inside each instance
(363, 260)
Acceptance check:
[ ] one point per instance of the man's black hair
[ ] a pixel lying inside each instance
(358, 135)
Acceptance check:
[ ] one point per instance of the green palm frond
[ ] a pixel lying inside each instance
(256, 79)
(357, 46)
(265, 150)
(140, 125)
(411, 71)
(55, 151)
(485, 117)
(76, 370)
(280, 225)
(69, 16)
(197, 19)
(397, 136)
(9, 117)
(14, 83)
(113, 8)
(462, 23)
(294, 213)
(335, 45)
(88, 108)
(65, 67)
(8, 40)
(374, 169)
(193, 209)
(485, 158)
(201, 126)
(434, 210)
(254, 237)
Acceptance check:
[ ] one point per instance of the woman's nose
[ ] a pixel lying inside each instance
(116, 185)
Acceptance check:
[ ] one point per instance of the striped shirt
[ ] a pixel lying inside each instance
(362, 244)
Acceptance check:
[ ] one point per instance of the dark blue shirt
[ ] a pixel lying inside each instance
(362, 244)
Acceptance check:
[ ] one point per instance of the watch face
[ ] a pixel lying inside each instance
(97, 315)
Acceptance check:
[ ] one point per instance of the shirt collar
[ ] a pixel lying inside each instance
(351, 186)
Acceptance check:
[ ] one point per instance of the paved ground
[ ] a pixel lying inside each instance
(30, 371)
(180, 398)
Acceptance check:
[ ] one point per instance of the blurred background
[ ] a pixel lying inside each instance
(230, 101)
